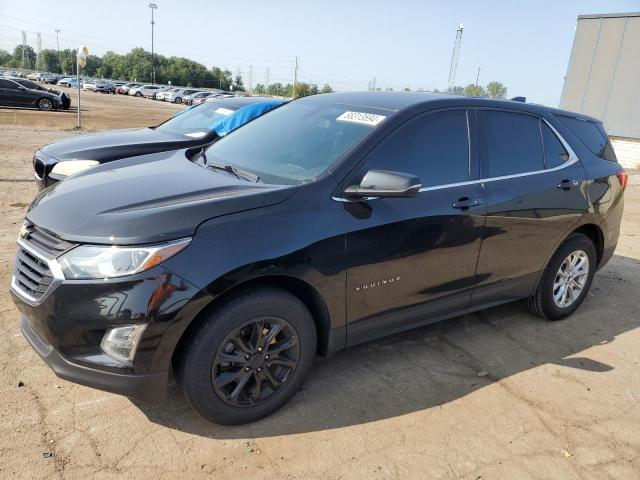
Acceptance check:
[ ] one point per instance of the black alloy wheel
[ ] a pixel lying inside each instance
(255, 361)
(247, 356)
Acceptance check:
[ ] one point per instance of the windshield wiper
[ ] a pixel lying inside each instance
(250, 177)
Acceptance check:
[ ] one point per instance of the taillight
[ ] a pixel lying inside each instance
(623, 178)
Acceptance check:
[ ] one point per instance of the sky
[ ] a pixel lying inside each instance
(403, 43)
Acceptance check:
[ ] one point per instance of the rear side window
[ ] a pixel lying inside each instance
(8, 84)
(434, 147)
(554, 152)
(592, 135)
(512, 144)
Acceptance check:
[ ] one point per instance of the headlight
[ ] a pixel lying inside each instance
(69, 167)
(99, 261)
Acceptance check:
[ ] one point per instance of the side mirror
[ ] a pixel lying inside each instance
(381, 183)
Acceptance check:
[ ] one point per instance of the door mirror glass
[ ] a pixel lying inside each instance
(382, 183)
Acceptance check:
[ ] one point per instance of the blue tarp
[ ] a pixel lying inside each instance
(244, 115)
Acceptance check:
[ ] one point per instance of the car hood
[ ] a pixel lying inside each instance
(155, 198)
(116, 144)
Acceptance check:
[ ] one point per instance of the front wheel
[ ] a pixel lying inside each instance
(249, 357)
(566, 280)
(45, 104)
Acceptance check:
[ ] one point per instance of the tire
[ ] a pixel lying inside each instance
(138, 94)
(211, 384)
(177, 100)
(45, 104)
(576, 247)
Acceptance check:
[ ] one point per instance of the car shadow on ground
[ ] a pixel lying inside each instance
(434, 365)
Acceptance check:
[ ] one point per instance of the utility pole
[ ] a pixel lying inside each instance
(250, 78)
(39, 53)
(153, 7)
(266, 83)
(24, 61)
(295, 79)
(58, 46)
(478, 76)
(454, 57)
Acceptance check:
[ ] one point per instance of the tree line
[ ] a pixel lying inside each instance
(136, 66)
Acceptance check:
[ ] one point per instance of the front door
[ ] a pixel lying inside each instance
(411, 260)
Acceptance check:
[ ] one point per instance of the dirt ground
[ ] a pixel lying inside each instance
(495, 395)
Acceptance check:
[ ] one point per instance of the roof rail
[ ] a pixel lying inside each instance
(519, 99)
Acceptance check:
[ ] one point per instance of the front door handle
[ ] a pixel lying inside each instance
(567, 184)
(465, 203)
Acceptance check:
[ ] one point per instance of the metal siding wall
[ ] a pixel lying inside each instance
(603, 67)
(622, 114)
(575, 83)
(603, 77)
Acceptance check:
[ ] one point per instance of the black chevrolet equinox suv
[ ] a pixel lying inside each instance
(330, 221)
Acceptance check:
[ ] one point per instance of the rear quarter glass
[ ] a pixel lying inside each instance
(592, 134)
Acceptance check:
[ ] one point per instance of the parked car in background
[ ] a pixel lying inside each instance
(89, 84)
(331, 221)
(104, 86)
(51, 79)
(187, 99)
(66, 100)
(64, 82)
(124, 89)
(152, 92)
(142, 89)
(198, 101)
(160, 95)
(192, 127)
(197, 98)
(177, 96)
(35, 76)
(12, 94)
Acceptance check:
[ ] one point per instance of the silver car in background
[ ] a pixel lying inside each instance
(178, 95)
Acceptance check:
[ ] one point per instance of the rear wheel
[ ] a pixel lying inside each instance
(178, 100)
(45, 104)
(566, 280)
(138, 94)
(250, 357)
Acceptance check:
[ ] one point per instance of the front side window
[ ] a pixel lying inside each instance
(512, 144)
(298, 142)
(434, 147)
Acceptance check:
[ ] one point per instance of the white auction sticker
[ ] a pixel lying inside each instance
(361, 118)
(224, 111)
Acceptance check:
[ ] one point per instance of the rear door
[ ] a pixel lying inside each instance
(413, 259)
(535, 192)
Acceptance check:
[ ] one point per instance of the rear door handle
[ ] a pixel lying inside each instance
(567, 184)
(465, 203)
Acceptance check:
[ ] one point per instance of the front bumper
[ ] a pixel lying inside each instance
(149, 388)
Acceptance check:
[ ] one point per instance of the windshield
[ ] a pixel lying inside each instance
(197, 121)
(296, 143)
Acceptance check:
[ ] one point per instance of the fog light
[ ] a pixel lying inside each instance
(120, 343)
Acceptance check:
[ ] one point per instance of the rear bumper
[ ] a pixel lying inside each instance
(149, 388)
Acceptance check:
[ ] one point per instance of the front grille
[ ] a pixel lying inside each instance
(39, 167)
(44, 241)
(31, 274)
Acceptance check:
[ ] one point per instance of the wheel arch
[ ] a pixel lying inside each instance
(594, 232)
(302, 290)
